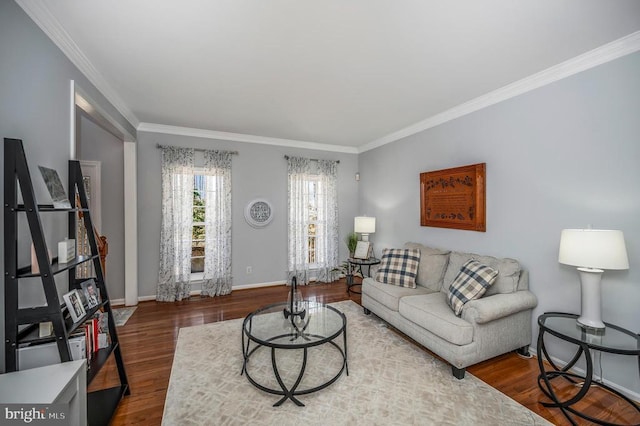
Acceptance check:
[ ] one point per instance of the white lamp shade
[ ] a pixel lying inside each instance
(364, 224)
(593, 248)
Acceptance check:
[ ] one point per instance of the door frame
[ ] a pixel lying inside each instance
(79, 99)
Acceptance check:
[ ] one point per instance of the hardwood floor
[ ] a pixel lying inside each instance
(148, 342)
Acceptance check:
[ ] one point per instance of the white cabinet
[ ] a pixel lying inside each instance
(64, 383)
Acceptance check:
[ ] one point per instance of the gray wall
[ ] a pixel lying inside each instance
(259, 171)
(96, 144)
(563, 156)
(34, 106)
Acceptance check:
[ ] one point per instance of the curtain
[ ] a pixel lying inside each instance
(177, 217)
(217, 252)
(327, 244)
(312, 192)
(298, 222)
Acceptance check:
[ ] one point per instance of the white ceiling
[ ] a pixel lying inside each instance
(353, 73)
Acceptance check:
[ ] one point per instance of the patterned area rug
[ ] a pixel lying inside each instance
(122, 315)
(390, 382)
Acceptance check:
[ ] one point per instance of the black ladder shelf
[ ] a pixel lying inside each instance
(21, 324)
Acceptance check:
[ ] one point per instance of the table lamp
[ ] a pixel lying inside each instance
(592, 251)
(364, 225)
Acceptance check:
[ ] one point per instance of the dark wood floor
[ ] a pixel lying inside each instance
(149, 338)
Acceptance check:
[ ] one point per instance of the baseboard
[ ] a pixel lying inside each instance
(257, 285)
(627, 392)
(118, 302)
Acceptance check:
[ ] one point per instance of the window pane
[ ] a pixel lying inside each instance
(198, 214)
(312, 249)
(197, 264)
(198, 232)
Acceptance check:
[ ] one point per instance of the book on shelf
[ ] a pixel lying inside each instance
(45, 329)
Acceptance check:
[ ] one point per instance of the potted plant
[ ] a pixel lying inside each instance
(352, 241)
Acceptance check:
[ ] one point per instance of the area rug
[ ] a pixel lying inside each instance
(391, 382)
(122, 315)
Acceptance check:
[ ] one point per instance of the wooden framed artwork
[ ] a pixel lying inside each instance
(454, 198)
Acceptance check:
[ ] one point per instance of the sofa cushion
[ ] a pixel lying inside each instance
(389, 295)
(431, 312)
(508, 271)
(433, 263)
(472, 282)
(399, 267)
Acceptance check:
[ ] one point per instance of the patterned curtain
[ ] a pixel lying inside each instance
(217, 263)
(298, 253)
(312, 188)
(177, 219)
(327, 245)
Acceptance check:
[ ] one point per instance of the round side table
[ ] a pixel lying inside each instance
(355, 265)
(612, 339)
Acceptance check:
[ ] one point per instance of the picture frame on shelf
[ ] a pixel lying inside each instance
(74, 305)
(91, 294)
(55, 188)
(362, 250)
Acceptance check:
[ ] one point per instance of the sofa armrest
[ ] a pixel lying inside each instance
(498, 306)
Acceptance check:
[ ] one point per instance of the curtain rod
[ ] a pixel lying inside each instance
(286, 157)
(195, 149)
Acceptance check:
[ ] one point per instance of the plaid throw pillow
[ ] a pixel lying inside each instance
(471, 283)
(399, 267)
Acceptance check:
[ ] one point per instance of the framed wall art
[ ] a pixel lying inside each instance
(454, 198)
(258, 213)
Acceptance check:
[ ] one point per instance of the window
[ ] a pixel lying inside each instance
(199, 227)
(313, 219)
(195, 237)
(314, 187)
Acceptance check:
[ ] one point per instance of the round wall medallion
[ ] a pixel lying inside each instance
(258, 213)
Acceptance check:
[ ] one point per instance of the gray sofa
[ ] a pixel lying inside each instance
(498, 322)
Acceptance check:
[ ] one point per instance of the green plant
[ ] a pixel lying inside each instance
(352, 241)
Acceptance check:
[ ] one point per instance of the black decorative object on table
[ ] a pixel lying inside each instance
(295, 305)
(612, 339)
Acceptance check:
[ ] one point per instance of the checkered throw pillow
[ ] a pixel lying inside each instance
(471, 283)
(399, 267)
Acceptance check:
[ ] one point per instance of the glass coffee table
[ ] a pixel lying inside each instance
(268, 329)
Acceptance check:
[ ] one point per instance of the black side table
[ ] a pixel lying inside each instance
(355, 265)
(612, 339)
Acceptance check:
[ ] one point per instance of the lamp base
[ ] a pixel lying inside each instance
(590, 298)
(590, 324)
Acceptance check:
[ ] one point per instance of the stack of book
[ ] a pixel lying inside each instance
(95, 332)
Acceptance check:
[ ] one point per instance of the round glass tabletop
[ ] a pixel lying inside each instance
(609, 339)
(318, 324)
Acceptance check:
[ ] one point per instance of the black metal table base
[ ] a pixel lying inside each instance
(297, 338)
(545, 377)
(355, 266)
(293, 391)
(351, 284)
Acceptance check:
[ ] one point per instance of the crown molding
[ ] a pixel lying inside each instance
(598, 56)
(239, 137)
(47, 22)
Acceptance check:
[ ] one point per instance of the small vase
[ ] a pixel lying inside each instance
(295, 302)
